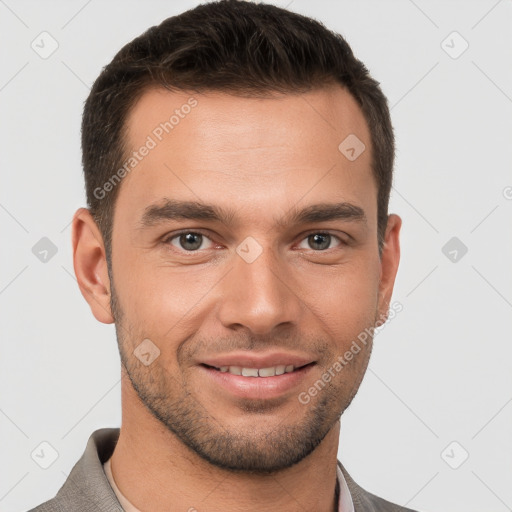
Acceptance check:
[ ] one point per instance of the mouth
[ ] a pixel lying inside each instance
(270, 371)
(254, 382)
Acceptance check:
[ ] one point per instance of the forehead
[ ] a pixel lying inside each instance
(327, 114)
(258, 152)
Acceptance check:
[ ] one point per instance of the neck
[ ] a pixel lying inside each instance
(155, 471)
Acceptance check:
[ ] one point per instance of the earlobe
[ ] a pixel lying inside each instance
(389, 264)
(90, 265)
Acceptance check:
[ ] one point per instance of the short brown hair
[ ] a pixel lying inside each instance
(231, 46)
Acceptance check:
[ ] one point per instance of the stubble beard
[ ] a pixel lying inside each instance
(258, 451)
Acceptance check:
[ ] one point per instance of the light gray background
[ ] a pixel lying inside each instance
(440, 371)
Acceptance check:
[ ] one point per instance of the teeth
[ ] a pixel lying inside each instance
(235, 370)
(249, 372)
(267, 372)
(255, 372)
(280, 369)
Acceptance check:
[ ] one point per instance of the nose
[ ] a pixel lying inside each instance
(259, 295)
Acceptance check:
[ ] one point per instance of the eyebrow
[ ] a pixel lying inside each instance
(171, 209)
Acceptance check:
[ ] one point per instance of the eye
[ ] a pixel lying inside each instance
(319, 241)
(189, 241)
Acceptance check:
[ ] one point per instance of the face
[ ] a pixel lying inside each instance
(245, 264)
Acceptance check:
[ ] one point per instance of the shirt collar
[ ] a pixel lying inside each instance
(345, 503)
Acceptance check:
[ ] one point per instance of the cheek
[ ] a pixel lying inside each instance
(158, 300)
(344, 299)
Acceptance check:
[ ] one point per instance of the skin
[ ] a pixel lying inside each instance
(262, 158)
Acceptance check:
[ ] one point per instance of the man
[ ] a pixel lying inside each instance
(238, 163)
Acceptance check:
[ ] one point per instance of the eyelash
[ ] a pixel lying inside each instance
(168, 239)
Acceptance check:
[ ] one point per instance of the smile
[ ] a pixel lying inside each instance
(250, 383)
(271, 371)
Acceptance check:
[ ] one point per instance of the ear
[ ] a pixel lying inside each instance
(90, 264)
(389, 265)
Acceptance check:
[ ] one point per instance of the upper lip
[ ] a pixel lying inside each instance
(258, 360)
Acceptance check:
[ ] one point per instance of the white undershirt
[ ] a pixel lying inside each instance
(345, 503)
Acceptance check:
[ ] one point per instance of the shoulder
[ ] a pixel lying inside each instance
(365, 501)
(87, 488)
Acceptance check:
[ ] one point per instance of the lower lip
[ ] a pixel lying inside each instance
(257, 388)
